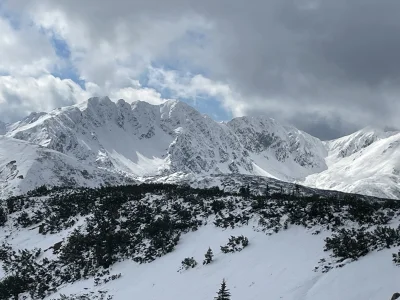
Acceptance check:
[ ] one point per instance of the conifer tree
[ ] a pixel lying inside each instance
(208, 257)
(267, 190)
(223, 293)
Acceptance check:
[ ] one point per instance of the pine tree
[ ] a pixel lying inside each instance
(223, 293)
(208, 257)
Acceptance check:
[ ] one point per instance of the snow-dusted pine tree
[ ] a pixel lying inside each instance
(208, 257)
(223, 293)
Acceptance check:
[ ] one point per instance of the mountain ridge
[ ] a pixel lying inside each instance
(140, 139)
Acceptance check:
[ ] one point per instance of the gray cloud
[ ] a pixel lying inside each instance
(332, 59)
(327, 66)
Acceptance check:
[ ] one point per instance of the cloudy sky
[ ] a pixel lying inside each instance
(328, 67)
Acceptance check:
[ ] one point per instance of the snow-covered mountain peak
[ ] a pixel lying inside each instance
(350, 144)
(366, 162)
(284, 151)
(179, 111)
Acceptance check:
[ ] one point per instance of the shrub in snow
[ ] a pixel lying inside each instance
(101, 295)
(395, 296)
(236, 243)
(396, 258)
(188, 262)
(355, 243)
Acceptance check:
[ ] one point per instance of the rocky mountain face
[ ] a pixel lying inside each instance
(282, 152)
(139, 140)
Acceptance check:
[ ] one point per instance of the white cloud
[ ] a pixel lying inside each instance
(105, 44)
(278, 58)
(21, 95)
(197, 87)
(132, 94)
(24, 51)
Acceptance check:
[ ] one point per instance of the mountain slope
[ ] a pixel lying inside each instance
(348, 145)
(366, 162)
(277, 267)
(278, 151)
(25, 166)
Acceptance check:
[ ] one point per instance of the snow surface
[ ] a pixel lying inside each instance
(279, 266)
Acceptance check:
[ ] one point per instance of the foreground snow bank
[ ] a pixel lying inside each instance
(279, 266)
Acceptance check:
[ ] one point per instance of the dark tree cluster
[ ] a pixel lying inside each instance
(235, 244)
(355, 243)
(188, 263)
(101, 295)
(396, 258)
(27, 274)
(143, 222)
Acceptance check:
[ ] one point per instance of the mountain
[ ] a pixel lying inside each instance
(232, 187)
(25, 166)
(366, 162)
(353, 143)
(278, 151)
(142, 139)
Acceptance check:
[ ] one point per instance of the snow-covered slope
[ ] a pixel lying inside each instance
(25, 166)
(366, 162)
(287, 257)
(278, 151)
(278, 267)
(348, 145)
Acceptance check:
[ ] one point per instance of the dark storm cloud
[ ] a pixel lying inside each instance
(328, 66)
(340, 57)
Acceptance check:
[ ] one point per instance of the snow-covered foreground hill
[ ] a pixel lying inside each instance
(279, 266)
(272, 267)
(129, 243)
